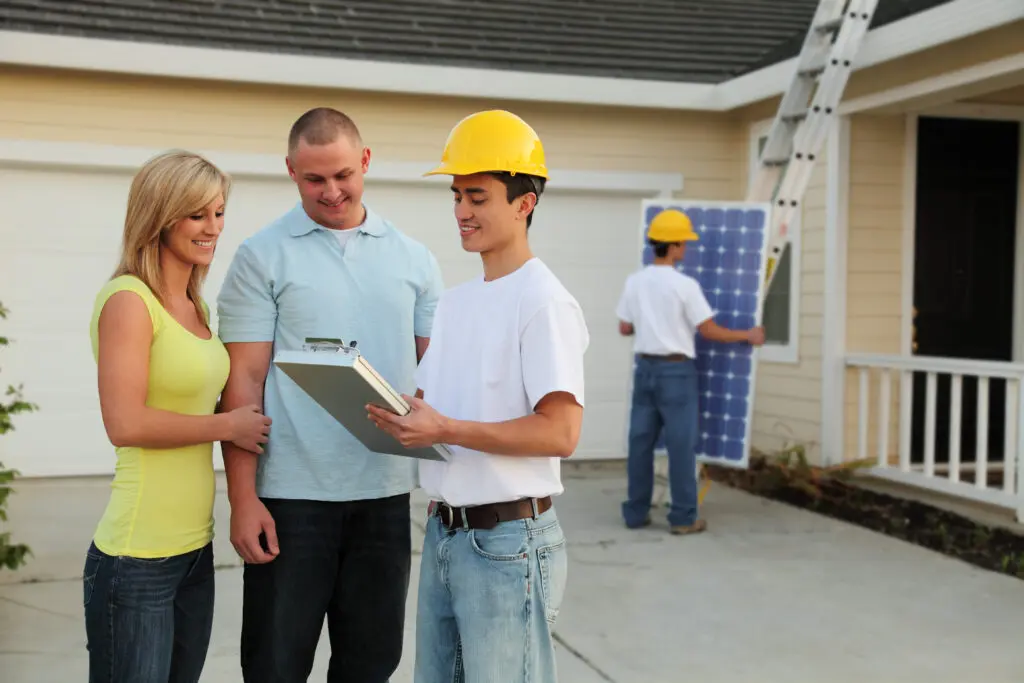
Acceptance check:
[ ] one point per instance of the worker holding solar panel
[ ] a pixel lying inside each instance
(664, 310)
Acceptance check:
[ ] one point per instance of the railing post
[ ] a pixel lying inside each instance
(1019, 455)
(884, 417)
(906, 414)
(863, 413)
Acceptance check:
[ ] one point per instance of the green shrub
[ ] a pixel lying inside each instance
(12, 402)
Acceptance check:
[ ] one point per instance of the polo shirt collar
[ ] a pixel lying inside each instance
(302, 224)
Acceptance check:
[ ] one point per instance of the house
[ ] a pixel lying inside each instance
(910, 223)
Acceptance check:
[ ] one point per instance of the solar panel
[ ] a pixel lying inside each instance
(729, 263)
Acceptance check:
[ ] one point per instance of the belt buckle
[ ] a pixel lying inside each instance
(447, 514)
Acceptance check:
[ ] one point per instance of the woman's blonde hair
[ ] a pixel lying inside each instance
(168, 188)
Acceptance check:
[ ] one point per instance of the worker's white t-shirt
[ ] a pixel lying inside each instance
(665, 308)
(496, 349)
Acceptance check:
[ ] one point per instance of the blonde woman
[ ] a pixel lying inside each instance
(148, 578)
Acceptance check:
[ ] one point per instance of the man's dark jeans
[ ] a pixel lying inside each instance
(664, 398)
(348, 561)
(148, 621)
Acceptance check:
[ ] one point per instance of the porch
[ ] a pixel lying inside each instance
(948, 425)
(924, 364)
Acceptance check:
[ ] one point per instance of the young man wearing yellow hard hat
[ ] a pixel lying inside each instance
(502, 384)
(665, 310)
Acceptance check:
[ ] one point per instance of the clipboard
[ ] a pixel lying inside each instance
(342, 382)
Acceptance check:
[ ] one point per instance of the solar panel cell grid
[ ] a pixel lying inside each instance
(728, 262)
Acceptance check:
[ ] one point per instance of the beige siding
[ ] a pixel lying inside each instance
(122, 110)
(874, 259)
(1010, 96)
(997, 43)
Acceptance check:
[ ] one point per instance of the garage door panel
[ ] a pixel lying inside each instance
(591, 227)
(607, 369)
(603, 430)
(53, 284)
(62, 439)
(59, 241)
(55, 255)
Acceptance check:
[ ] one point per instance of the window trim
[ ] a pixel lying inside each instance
(781, 353)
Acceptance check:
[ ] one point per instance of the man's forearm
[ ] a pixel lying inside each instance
(240, 471)
(533, 435)
(240, 464)
(421, 347)
(715, 332)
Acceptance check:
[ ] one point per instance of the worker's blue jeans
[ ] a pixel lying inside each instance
(664, 396)
(488, 601)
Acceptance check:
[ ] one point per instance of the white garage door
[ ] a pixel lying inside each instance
(59, 240)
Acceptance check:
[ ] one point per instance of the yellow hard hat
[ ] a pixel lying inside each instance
(494, 140)
(671, 225)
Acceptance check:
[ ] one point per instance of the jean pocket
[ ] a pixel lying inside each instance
(92, 568)
(144, 562)
(499, 545)
(554, 574)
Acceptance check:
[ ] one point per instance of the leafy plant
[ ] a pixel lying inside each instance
(1013, 564)
(12, 555)
(790, 468)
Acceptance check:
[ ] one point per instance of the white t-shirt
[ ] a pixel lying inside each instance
(343, 236)
(496, 349)
(665, 308)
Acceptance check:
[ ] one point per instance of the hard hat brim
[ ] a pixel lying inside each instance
(457, 169)
(672, 239)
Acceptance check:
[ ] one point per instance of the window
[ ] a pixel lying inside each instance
(781, 316)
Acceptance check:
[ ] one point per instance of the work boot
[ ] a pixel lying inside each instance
(641, 525)
(695, 528)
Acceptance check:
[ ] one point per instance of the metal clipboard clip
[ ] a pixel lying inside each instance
(330, 345)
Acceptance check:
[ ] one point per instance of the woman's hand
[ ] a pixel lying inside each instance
(248, 428)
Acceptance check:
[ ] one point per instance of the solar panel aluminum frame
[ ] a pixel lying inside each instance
(763, 211)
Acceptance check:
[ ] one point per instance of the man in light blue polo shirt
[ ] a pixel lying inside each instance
(321, 522)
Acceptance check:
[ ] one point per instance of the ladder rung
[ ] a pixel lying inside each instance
(776, 161)
(794, 117)
(829, 26)
(812, 71)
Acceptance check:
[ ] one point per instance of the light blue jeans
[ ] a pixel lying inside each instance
(488, 600)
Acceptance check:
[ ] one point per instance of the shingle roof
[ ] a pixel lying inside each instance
(699, 41)
(887, 12)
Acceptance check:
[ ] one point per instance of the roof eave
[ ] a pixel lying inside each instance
(930, 28)
(157, 59)
(948, 22)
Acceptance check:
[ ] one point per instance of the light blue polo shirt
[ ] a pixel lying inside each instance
(292, 280)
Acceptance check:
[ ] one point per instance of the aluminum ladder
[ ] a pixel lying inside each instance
(801, 126)
(805, 115)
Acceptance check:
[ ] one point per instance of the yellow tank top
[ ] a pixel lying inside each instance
(161, 501)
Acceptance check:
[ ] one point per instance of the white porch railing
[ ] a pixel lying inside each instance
(876, 376)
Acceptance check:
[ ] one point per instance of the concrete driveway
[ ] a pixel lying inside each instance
(769, 593)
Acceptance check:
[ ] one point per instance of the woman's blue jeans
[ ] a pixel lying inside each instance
(148, 621)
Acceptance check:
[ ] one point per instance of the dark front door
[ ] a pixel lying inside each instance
(964, 256)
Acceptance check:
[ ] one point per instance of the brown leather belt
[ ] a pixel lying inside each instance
(490, 515)
(670, 357)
